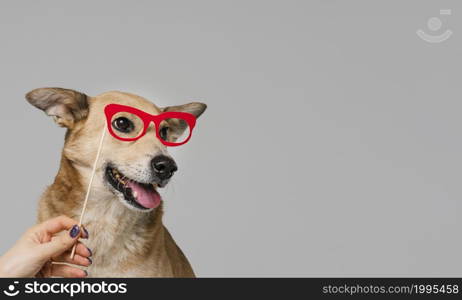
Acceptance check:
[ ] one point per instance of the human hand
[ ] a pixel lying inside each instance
(43, 249)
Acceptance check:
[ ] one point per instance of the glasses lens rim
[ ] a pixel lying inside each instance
(135, 119)
(146, 118)
(186, 134)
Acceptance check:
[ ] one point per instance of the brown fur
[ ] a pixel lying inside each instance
(125, 242)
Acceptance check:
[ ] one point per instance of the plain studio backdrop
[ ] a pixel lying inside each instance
(331, 145)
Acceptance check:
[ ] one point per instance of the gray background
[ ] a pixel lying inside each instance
(331, 146)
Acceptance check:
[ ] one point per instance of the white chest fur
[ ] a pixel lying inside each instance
(118, 236)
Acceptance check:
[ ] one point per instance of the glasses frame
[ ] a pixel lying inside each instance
(111, 109)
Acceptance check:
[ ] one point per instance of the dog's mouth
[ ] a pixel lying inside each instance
(140, 195)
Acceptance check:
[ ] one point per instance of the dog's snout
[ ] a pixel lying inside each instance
(163, 167)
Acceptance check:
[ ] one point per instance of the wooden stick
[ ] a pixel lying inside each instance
(100, 147)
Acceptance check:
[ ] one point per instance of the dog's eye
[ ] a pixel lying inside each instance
(123, 124)
(163, 132)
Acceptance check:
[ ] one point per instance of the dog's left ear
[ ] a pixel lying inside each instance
(65, 106)
(195, 108)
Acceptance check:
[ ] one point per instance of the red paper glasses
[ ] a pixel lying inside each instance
(127, 123)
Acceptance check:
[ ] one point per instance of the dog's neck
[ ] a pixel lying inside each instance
(112, 226)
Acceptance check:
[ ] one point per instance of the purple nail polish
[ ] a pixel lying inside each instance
(91, 253)
(86, 273)
(75, 230)
(86, 233)
(89, 259)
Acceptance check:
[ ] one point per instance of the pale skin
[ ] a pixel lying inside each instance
(43, 248)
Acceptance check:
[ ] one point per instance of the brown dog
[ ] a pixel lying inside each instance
(127, 238)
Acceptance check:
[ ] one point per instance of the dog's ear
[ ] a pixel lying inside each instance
(195, 108)
(65, 106)
(179, 127)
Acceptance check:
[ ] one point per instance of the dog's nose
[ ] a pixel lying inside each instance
(163, 167)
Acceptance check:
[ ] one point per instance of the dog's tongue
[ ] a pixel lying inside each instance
(148, 198)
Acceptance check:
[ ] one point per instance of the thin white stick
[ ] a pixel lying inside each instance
(100, 147)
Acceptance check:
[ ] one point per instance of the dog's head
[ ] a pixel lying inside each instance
(133, 170)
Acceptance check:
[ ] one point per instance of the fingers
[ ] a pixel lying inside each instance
(81, 258)
(83, 250)
(57, 224)
(78, 260)
(61, 270)
(85, 234)
(60, 243)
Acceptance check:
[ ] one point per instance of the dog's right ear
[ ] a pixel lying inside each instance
(65, 106)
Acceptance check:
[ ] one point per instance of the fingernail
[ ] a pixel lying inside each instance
(89, 259)
(86, 232)
(91, 253)
(75, 230)
(86, 273)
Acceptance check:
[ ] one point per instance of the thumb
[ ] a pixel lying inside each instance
(61, 243)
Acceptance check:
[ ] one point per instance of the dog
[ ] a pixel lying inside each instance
(127, 238)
